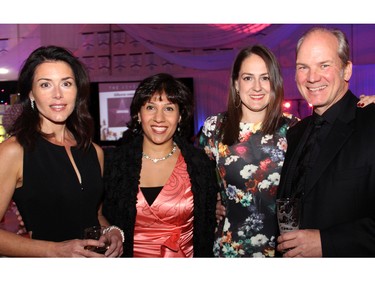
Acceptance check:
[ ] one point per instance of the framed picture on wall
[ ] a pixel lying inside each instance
(114, 108)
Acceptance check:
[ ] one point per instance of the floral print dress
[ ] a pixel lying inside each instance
(250, 173)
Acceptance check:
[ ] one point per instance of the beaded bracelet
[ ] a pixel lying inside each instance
(110, 228)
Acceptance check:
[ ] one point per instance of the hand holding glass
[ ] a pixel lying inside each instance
(95, 232)
(287, 214)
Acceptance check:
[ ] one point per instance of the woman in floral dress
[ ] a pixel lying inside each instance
(248, 143)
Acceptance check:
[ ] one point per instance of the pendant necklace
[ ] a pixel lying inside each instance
(156, 160)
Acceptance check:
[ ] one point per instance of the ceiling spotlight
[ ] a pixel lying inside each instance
(4, 70)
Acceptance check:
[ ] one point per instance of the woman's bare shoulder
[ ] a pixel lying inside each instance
(98, 148)
(11, 155)
(99, 152)
(10, 148)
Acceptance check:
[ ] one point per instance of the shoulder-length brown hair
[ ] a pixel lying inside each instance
(231, 128)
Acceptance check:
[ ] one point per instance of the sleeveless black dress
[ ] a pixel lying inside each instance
(54, 205)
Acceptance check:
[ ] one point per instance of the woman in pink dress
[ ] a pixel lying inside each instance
(159, 188)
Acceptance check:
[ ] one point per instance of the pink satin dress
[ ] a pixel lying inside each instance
(165, 229)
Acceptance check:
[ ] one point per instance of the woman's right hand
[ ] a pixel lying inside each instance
(70, 248)
(220, 209)
(79, 248)
(75, 248)
(21, 225)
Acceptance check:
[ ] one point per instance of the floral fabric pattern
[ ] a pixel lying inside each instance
(250, 174)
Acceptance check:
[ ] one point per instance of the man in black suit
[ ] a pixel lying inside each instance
(336, 185)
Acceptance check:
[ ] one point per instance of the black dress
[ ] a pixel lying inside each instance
(54, 205)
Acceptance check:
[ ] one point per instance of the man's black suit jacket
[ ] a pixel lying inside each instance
(339, 198)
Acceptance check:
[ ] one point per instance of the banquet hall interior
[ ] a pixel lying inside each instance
(118, 56)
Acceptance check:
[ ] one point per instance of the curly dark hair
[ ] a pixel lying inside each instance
(176, 92)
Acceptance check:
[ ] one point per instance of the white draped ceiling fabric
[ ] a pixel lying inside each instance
(225, 39)
(163, 39)
(207, 49)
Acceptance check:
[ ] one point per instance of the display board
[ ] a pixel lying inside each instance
(114, 108)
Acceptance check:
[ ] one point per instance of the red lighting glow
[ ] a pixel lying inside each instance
(287, 104)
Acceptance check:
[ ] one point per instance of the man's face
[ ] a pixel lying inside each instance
(320, 76)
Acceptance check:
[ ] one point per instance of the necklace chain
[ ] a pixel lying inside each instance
(156, 160)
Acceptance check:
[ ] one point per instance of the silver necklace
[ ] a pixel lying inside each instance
(156, 160)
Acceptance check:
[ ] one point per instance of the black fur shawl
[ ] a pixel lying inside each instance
(121, 177)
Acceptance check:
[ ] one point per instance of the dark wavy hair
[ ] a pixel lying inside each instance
(176, 92)
(231, 128)
(26, 128)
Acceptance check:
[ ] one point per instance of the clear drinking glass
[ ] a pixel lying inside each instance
(288, 214)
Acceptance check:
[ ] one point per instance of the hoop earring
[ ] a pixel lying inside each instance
(237, 95)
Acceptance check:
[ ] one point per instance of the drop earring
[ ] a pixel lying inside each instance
(235, 98)
(32, 103)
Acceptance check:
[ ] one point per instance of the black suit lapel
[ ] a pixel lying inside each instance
(296, 138)
(332, 145)
(341, 130)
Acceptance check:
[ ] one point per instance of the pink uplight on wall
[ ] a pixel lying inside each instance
(242, 28)
(297, 107)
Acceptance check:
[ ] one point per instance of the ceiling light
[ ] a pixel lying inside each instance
(3, 70)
